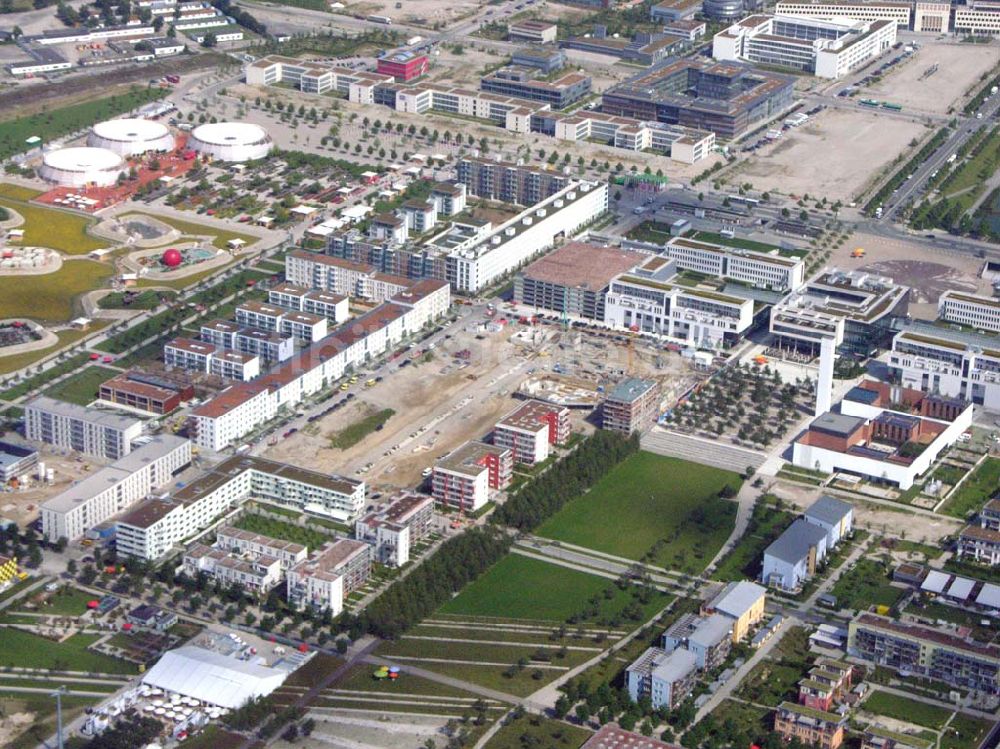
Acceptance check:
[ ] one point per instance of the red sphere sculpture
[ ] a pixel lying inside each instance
(172, 258)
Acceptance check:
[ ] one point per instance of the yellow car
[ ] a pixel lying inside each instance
(345, 386)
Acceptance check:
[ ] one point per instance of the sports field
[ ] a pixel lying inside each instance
(647, 499)
(518, 587)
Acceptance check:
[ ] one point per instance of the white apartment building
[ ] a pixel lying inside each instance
(201, 356)
(343, 277)
(157, 525)
(90, 431)
(468, 477)
(221, 333)
(449, 198)
(241, 408)
(938, 360)
(979, 312)
(531, 429)
(393, 529)
(241, 542)
(114, 489)
(644, 299)
(305, 327)
(835, 10)
(479, 265)
(334, 307)
(826, 49)
(759, 269)
(270, 346)
(419, 215)
(259, 315)
(235, 365)
(336, 571)
(256, 575)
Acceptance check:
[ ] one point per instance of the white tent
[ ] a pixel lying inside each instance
(211, 677)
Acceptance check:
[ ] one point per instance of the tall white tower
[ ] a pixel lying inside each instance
(824, 385)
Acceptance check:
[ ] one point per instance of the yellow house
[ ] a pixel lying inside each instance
(743, 603)
(8, 568)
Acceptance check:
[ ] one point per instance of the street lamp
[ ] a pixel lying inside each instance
(59, 727)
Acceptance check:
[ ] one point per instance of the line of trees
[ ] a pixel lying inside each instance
(458, 562)
(900, 176)
(241, 17)
(565, 480)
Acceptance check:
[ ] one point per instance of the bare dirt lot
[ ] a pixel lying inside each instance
(928, 272)
(831, 156)
(959, 68)
(415, 12)
(21, 505)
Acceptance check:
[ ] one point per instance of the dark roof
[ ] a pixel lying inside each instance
(834, 423)
(794, 544)
(829, 510)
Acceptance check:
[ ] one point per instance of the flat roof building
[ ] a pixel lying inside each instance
(394, 528)
(90, 431)
(530, 429)
(470, 475)
(323, 581)
(631, 406)
(532, 31)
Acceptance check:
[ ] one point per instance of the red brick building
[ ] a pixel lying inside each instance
(403, 65)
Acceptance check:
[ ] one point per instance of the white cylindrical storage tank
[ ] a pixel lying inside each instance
(231, 141)
(76, 167)
(130, 137)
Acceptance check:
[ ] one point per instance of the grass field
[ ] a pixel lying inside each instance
(221, 236)
(353, 434)
(965, 732)
(145, 301)
(43, 708)
(280, 529)
(866, 584)
(360, 678)
(649, 499)
(901, 708)
(55, 123)
(82, 387)
(50, 227)
(976, 489)
(50, 298)
(533, 730)
(519, 587)
(745, 560)
(30, 651)
(65, 602)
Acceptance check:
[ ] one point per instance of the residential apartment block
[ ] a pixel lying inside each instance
(90, 431)
(114, 489)
(246, 543)
(468, 477)
(508, 182)
(810, 726)
(394, 528)
(925, 651)
(530, 429)
(793, 557)
(665, 678)
(334, 572)
(980, 541)
(631, 406)
(826, 49)
(200, 356)
(334, 307)
(742, 603)
(826, 685)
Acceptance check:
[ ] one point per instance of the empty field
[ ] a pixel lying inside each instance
(82, 387)
(50, 297)
(651, 500)
(50, 227)
(911, 711)
(834, 155)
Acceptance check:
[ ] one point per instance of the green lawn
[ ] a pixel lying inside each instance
(975, 490)
(280, 529)
(82, 387)
(533, 730)
(866, 584)
(145, 300)
(51, 227)
(771, 683)
(65, 602)
(54, 123)
(519, 587)
(648, 499)
(353, 434)
(50, 297)
(902, 708)
(965, 732)
(361, 678)
(221, 236)
(19, 648)
(739, 242)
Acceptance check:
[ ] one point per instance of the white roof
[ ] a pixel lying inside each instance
(212, 677)
(131, 130)
(935, 582)
(320, 231)
(738, 598)
(989, 596)
(230, 133)
(83, 159)
(305, 210)
(961, 588)
(413, 170)
(356, 211)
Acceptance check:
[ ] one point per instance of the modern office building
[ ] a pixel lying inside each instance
(899, 13)
(668, 11)
(91, 431)
(972, 310)
(643, 49)
(395, 527)
(977, 17)
(724, 97)
(760, 269)
(858, 310)
(545, 57)
(574, 279)
(531, 429)
(533, 31)
(403, 65)
(522, 82)
(333, 573)
(114, 489)
(930, 652)
(826, 49)
(631, 406)
(468, 477)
